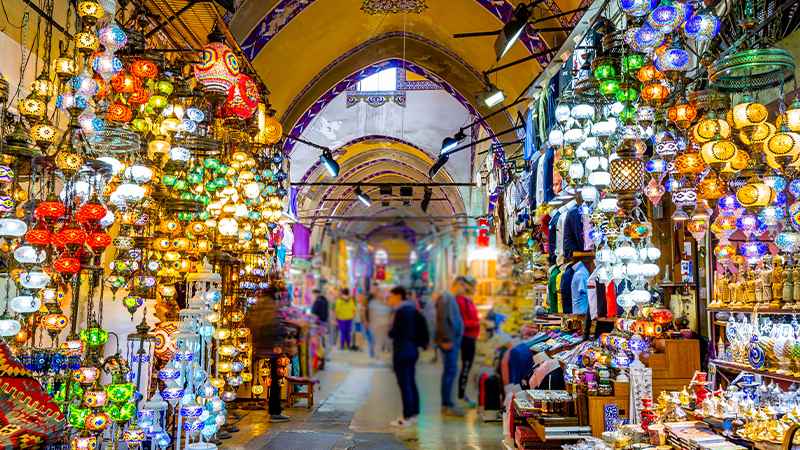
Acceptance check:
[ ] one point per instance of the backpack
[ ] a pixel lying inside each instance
(422, 336)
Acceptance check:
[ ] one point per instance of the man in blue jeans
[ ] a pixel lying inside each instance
(404, 333)
(449, 331)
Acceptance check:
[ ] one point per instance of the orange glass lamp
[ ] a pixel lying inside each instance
(655, 92)
(711, 187)
(682, 114)
(689, 163)
(791, 118)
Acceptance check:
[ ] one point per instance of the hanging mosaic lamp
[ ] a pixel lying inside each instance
(668, 15)
(755, 194)
(218, 70)
(637, 8)
(702, 26)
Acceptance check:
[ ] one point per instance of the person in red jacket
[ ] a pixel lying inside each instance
(472, 330)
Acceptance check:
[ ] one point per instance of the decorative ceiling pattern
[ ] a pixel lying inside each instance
(346, 84)
(286, 10)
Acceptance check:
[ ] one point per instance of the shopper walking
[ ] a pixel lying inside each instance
(380, 320)
(472, 330)
(366, 323)
(449, 331)
(408, 333)
(345, 313)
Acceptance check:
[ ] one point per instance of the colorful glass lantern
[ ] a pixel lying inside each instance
(748, 114)
(67, 265)
(689, 163)
(655, 92)
(785, 144)
(649, 73)
(709, 128)
(718, 152)
(96, 421)
(674, 59)
(637, 8)
(218, 70)
(54, 323)
(94, 336)
(755, 194)
(702, 26)
(682, 114)
(667, 16)
(757, 134)
(242, 100)
(120, 392)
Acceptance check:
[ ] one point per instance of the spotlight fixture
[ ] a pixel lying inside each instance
(426, 199)
(451, 142)
(440, 162)
(362, 197)
(492, 97)
(326, 158)
(512, 30)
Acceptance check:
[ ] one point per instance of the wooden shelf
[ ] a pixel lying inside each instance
(766, 373)
(747, 309)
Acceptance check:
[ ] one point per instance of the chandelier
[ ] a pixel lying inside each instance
(393, 6)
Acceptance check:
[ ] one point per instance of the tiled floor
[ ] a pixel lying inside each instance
(356, 400)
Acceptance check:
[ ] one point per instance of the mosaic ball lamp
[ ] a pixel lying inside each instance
(637, 8)
(218, 69)
(702, 27)
(668, 16)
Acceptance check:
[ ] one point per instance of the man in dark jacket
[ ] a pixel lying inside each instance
(404, 334)
(320, 308)
(449, 333)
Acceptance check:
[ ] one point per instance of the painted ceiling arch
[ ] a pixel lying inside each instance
(303, 42)
(367, 166)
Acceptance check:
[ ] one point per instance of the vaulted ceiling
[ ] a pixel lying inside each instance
(312, 53)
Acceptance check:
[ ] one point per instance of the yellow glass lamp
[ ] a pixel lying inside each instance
(158, 147)
(64, 67)
(32, 107)
(222, 334)
(757, 134)
(42, 86)
(86, 42)
(710, 128)
(791, 118)
(44, 134)
(717, 152)
(783, 147)
(90, 11)
(68, 161)
(227, 350)
(755, 194)
(748, 114)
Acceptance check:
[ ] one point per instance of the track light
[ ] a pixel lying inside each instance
(451, 142)
(493, 96)
(440, 162)
(362, 197)
(426, 199)
(512, 31)
(326, 158)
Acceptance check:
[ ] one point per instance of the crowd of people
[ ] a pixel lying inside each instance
(406, 324)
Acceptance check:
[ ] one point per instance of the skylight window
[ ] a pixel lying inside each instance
(385, 80)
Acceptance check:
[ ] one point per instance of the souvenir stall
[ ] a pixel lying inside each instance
(140, 185)
(662, 194)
